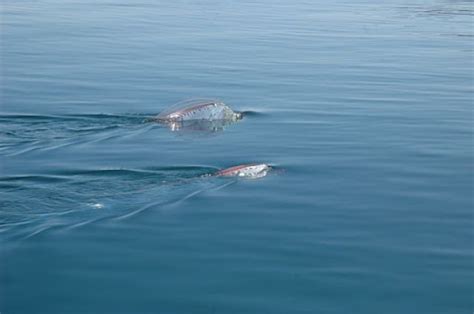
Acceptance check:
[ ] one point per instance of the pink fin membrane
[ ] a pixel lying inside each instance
(252, 171)
(198, 109)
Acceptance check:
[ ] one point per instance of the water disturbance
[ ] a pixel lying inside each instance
(113, 201)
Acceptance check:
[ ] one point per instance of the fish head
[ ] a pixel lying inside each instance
(238, 115)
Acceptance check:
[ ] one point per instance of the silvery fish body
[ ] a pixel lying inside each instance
(252, 171)
(198, 109)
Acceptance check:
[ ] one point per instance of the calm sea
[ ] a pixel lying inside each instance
(364, 107)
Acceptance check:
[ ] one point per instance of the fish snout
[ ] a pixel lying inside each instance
(238, 115)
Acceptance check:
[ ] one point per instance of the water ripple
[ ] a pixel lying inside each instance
(24, 133)
(76, 197)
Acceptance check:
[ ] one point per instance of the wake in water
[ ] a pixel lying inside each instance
(20, 134)
(35, 203)
(67, 199)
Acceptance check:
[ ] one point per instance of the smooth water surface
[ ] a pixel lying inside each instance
(364, 108)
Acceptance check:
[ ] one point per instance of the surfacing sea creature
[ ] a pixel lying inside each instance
(251, 171)
(199, 114)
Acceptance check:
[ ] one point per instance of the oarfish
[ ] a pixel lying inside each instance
(252, 171)
(198, 109)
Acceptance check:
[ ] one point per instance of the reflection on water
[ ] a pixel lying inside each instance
(203, 126)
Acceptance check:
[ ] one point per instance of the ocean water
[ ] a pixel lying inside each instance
(364, 107)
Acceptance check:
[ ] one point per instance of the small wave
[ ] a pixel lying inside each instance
(459, 8)
(25, 133)
(175, 171)
(41, 117)
(12, 118)
(32, 178)
(77, 197)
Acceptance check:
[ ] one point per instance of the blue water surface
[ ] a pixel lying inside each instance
(364, 107)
